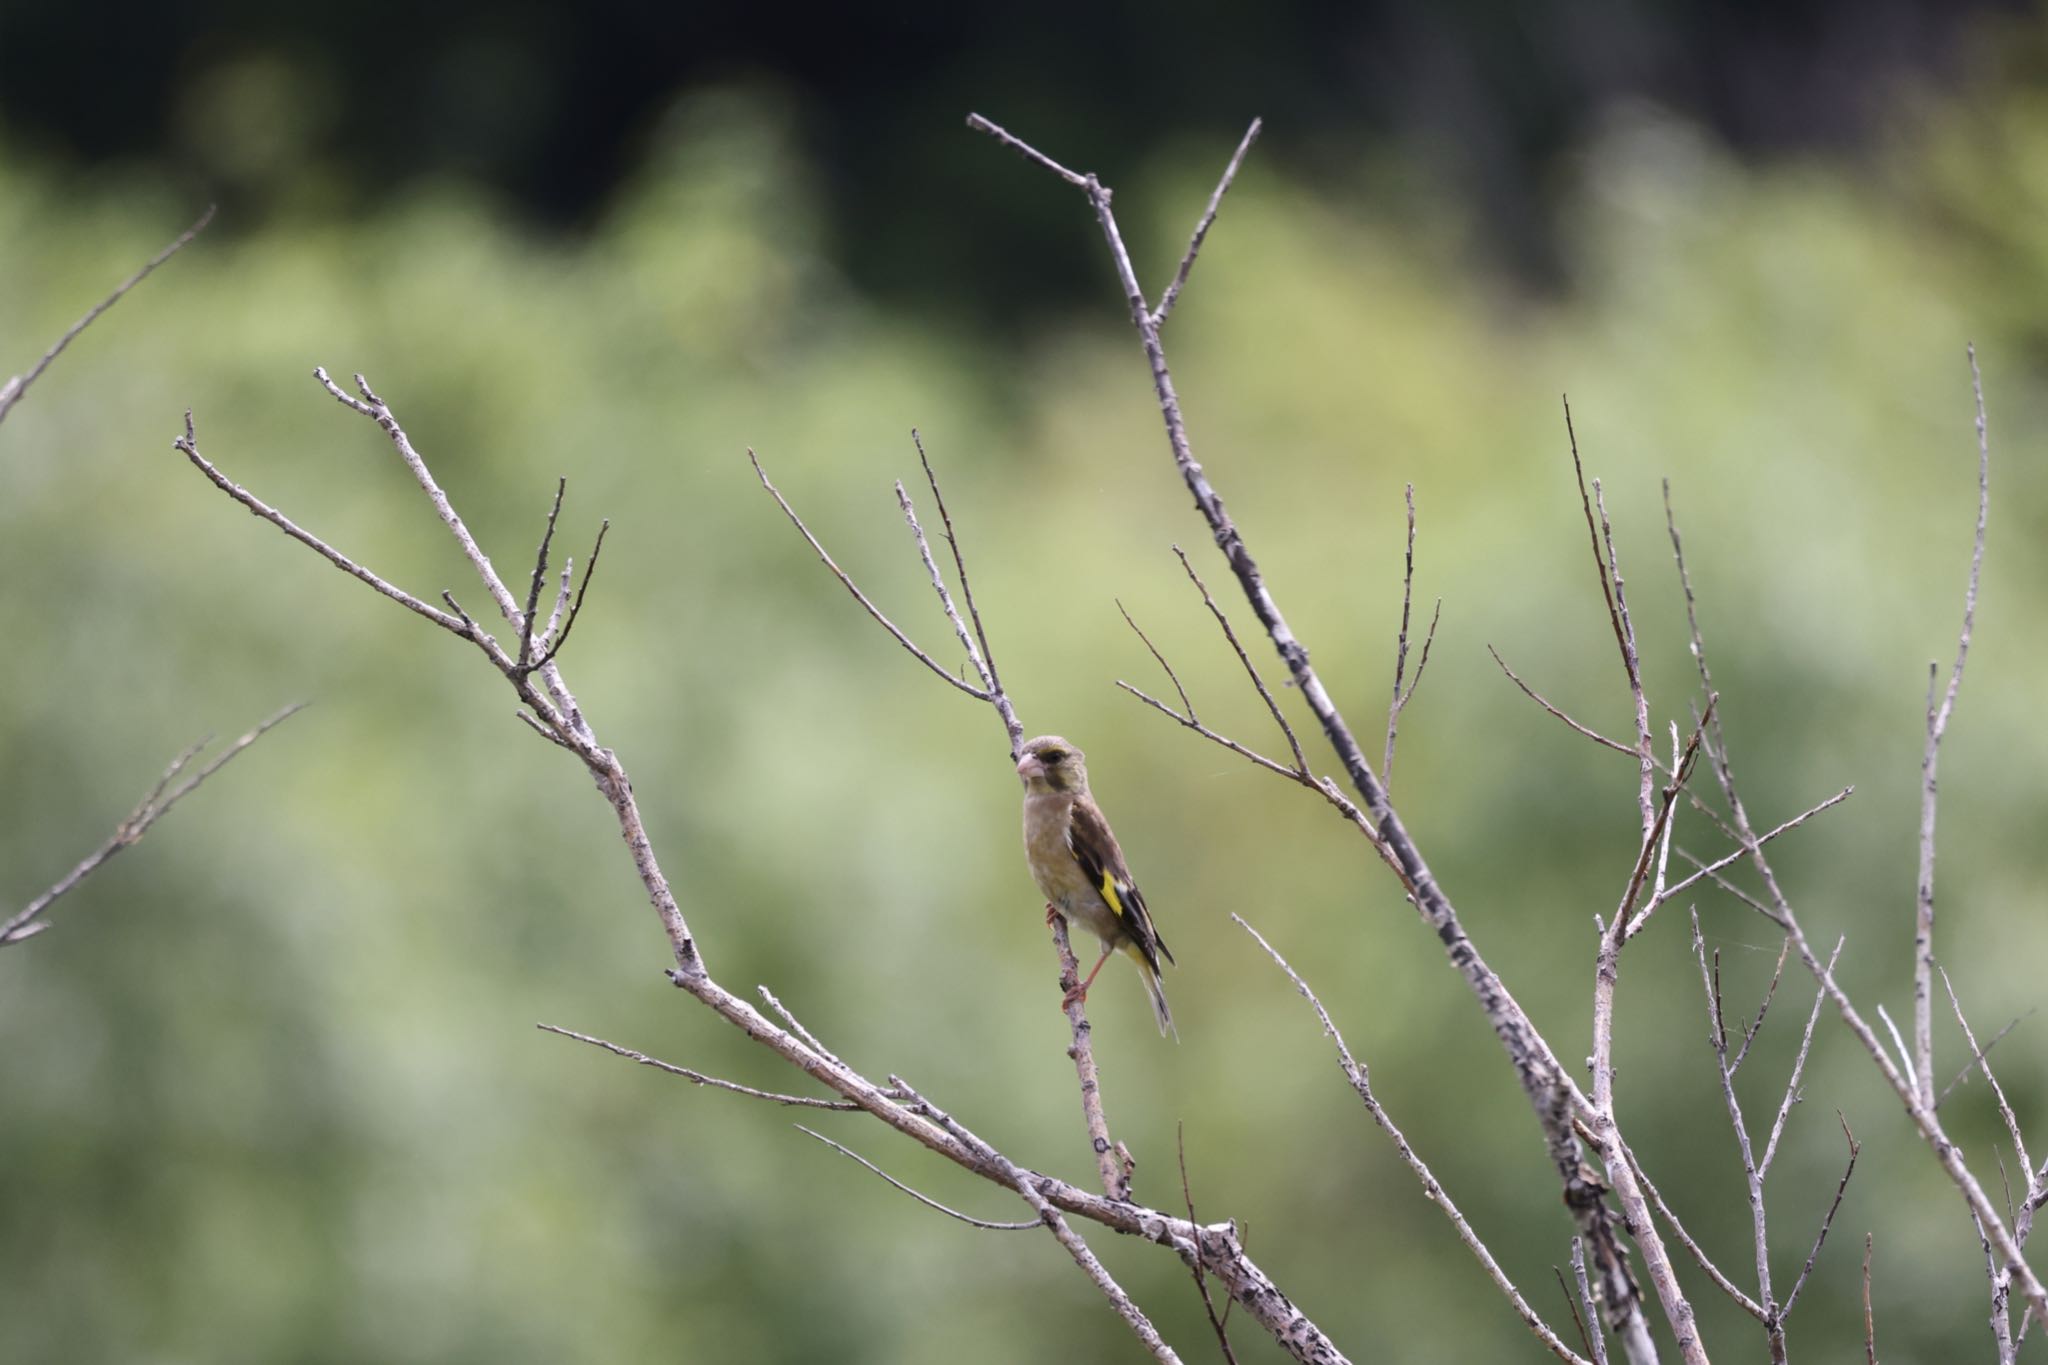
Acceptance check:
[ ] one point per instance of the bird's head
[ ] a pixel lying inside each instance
(1050, 764)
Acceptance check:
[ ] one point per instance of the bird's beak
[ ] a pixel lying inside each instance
(1029, 767)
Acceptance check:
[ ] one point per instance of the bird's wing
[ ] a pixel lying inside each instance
(1095, 849)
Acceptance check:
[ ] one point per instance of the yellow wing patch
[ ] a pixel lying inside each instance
(1109, 895)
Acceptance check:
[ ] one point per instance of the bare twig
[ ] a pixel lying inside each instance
(1432, 1190)
(1937, 726)
(1533, 695)
(1027, 151)
(926, 1200)
(1397, 702)
(1599, 1342)
(1869, 1322)
(988, 656)
(1978, 1056)
(1792, 1096)
(1216, 1324)
(1571, 1302)
(698, 1077)
(576, 609)
(1187, 261)
(1171, 676)
(1617, 615)
(28, 921)
(1708, 870)
(1826, 1222)
(1028, 1188)
(15, 389)
(188, 443)
(1756, 1025)
(991, 691)
(1686, 1240)
(886, 624)
(1251, 670)
(2012, 1123)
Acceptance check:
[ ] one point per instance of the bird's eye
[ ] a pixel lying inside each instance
(1051, 755)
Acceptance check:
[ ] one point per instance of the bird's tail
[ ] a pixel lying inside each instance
(1157, 990)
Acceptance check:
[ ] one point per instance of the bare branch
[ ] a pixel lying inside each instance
(1028, 1186)
(1826, 1222)
(1937, 726)
(15, 389)
(1763, 1167)
(1869, 1322)
(1685, 1239)
(1978, 1056)
(1026, 1226)
(1709, 869)
(188, 443)
(1251, 670)
(1599, 1342)
(28, 921)
(2012, 1123)
(796, 1026)
(576, 610)
(988, 656)
(1187, 261)
(698, 1077)
(1171, 676)
(927, 660)
(1770, 993)
(1432, 1189)
(1116, 1174)
(540, 574)
(1617, 612)
(992, 692)
(1027, 151)
(1216, 1324)
(1533, 695)
(1397, 702)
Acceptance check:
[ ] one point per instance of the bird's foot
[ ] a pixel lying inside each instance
(1077, 996)
(1052, 912)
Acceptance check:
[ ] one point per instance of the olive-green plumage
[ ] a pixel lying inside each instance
(1075, 860)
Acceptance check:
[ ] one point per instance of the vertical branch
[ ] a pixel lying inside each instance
(1937, 726)
(1111, 1161)
(1398, 701)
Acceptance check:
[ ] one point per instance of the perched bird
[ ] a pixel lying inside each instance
(1076, 862)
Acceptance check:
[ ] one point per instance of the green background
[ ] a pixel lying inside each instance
(272, 1089)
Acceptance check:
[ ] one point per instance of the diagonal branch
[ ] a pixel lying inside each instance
(28, 921)
(1432, 1190)
(1187, 261)
(927, 660)
(15, 389)
(926, 1200)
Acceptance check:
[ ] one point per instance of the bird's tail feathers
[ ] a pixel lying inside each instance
(1157, 990)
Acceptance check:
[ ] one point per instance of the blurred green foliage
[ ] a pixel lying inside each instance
(272, 1086)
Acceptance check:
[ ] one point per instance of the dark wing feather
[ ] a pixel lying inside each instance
(1095, 849)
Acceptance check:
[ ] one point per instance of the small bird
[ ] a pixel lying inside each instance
(1076, 862)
